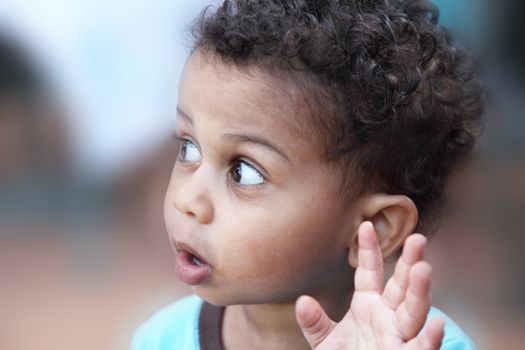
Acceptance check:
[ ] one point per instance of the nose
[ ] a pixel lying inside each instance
(192, 196)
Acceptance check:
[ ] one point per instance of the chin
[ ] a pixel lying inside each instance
(214, 296)
(223, 297)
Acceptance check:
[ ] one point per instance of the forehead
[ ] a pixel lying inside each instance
(244, 98)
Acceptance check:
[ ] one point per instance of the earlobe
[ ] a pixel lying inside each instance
(394, 218)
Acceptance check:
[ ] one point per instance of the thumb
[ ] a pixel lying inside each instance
(314, 322)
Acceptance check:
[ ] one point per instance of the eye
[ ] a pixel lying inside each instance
(188, 151)
(245, 174)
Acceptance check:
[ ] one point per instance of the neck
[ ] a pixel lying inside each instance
(273, 326)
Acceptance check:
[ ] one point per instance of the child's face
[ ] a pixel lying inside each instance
(250, 194)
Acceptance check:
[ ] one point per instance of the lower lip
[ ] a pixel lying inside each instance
(187, 271)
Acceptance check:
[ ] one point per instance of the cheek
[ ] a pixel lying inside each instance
(169, 206)
(280, 252)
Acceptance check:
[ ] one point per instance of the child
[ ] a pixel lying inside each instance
(314, 138)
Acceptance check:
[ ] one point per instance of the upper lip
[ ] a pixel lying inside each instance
(189, 249)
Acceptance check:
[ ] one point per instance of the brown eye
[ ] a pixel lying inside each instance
(189, 152)
(245, 174)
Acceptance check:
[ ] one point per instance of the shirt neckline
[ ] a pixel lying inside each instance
(210, 327)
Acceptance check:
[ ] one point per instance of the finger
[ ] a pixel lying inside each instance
(397, 285)
(314, 322)
(430, 338)
(412, 313)
(369, 276)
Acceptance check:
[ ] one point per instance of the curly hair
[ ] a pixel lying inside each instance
(397, 103)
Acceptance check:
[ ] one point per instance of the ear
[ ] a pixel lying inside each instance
(394, 218)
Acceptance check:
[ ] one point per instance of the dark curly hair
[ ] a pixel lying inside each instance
(398, 105)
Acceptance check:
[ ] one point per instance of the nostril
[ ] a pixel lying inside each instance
(183, 210)
(198, 208)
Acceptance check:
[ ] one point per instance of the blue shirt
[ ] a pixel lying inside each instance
(176, 327)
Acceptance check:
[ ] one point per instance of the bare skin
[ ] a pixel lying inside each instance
(271, 326)
(380, 317)
(251, 196)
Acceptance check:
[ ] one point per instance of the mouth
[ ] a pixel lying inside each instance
(190, 266)
(197, 261)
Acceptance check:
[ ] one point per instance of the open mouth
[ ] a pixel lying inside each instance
(193, 256)
(191, 268)
(196, 261)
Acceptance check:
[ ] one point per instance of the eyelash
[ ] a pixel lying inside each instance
(181, 142)
(237, 161)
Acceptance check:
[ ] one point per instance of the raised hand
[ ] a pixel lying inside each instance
(380, 317)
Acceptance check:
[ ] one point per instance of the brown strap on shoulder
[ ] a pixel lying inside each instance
(210, 327)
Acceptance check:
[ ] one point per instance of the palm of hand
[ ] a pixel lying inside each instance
(380, 317)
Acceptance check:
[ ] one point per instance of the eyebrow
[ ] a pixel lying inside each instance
(184, 115)
(240, 138)
(257, 140)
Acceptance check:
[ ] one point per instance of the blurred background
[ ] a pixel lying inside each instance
(87, 106)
